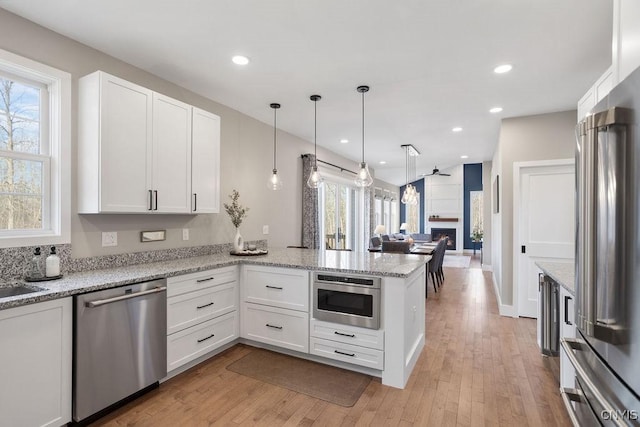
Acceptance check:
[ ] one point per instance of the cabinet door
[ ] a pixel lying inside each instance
(125, 145)
(171, 178)
(205, 165)
(567, 330)
(35, 364)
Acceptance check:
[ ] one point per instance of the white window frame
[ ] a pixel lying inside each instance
(57, 203)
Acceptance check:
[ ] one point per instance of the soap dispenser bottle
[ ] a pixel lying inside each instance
(35, 269)
(52, 264)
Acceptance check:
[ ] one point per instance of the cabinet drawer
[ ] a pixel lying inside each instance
(347, 353)
(278, 287)
(347, 334)
(191, 343)
(200, 280)
(276, 326)
(195, 307)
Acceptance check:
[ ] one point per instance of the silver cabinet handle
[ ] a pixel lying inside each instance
(205, 280)
(274, 287)
(273, 326)
(571, 395)
(570, 345)
(99, 302)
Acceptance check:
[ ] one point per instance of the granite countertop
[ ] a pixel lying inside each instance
(562, 272)
(376, 264)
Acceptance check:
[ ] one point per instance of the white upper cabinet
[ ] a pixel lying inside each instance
(135, 151)
(171, 177)
(205, 166)
(114, 145)
(626, 33)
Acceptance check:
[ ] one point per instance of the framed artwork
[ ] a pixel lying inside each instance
(496, 195)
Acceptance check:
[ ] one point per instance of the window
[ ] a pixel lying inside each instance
(338, 215)
(34, 152)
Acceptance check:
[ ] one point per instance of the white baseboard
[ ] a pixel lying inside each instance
(503, 309)
(487, 267)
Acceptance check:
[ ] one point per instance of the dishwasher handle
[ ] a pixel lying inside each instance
(100, 302)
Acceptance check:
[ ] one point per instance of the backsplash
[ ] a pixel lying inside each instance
(14, 262)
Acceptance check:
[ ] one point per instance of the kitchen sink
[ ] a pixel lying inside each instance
(12, 291)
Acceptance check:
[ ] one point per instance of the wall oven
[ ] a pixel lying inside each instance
(348, 300)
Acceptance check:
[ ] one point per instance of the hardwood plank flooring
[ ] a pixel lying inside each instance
(477, 369)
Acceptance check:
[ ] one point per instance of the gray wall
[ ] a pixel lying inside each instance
(246, 157)
(541, 137)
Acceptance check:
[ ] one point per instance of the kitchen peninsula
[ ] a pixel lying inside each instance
(398, 341)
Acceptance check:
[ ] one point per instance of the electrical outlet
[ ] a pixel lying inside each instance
(109, 238)
(265, 229)
(185, 234)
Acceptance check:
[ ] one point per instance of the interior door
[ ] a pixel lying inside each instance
(545, 224)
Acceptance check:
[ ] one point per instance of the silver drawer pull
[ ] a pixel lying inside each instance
(205, 280)
(203, 306)
(273, 326)
(209, 337)
(345, 354)
(571, 395)
(274, 287)
(344, 335)
(98, 303)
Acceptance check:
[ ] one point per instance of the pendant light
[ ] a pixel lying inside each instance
(363, 178)
(275, 182)
(315, 179)
(410, 195)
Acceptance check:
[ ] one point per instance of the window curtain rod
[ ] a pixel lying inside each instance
(335, 166)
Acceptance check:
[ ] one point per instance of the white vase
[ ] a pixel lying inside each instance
(238, 241)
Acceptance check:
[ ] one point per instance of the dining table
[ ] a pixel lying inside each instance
(418, 249)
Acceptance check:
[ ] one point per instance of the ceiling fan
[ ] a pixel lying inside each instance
(436, 171)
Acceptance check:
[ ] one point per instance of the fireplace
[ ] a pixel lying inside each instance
(438, 233)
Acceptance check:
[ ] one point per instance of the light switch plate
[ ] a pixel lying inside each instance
(185, 234)
(265, 229)
(109, 238)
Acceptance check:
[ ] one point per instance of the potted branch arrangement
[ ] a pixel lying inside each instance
(236, 213)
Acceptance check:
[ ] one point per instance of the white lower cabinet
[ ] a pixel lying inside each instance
(276, 326)
(275, 306)
(202, 314)
(35, 364)
(567, 330)
(360, 346)
(193, 342)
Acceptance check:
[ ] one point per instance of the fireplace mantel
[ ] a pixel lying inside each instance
(438, 219)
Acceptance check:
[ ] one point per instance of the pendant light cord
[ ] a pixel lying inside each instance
(363, 127)
(275, 147)
(315, 132)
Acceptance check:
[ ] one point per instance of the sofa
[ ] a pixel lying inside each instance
(421, 237)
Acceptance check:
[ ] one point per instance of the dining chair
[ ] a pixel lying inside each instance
(435, 264)
(298, 247)
(385, 237)
(396, 247)
(375, 242)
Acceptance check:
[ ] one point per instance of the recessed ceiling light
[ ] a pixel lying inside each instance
(464, 157)
(501, 69)
(344, 141)
(456, 129)
(495, 110)
(382, 162)
(240, 60)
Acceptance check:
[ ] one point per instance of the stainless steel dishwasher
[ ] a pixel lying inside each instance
(120, 345)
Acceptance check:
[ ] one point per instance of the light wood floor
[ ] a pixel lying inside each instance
(477, 368)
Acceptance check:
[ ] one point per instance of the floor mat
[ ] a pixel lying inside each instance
(324, 382)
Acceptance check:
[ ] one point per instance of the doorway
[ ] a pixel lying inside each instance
(338, 215)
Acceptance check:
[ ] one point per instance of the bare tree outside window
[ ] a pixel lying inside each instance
(22, 163)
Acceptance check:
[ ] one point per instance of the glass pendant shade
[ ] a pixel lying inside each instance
(363, 179)
(275, 182)
(315, 179)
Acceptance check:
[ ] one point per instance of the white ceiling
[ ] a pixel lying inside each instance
(429, 63)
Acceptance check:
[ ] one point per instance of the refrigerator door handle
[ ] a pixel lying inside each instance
(571, 395)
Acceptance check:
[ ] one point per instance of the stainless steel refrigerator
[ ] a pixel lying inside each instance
(606, 352)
